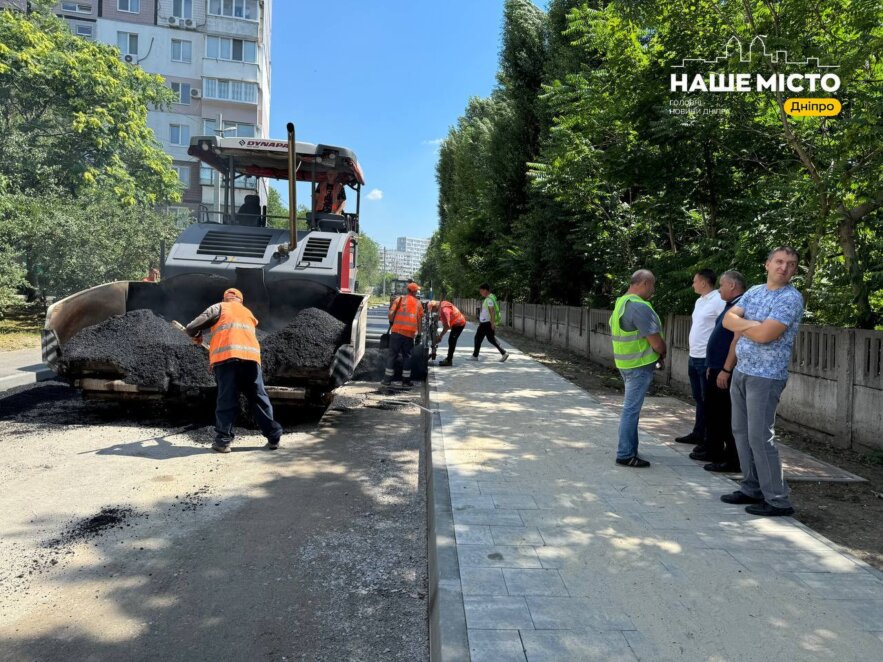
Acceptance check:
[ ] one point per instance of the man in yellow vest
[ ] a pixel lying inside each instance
(405, 316)
(235, 360)
(638, 346)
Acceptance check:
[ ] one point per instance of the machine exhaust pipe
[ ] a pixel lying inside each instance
(292, 188)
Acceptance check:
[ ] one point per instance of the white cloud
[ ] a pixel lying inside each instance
(375, 194)
(435, 142)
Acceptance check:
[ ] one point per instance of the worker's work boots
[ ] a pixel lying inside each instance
(446, 363)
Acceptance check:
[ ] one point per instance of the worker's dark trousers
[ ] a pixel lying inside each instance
(486, 331)
(399, 344)
(452, 340)
(234, 377)
(719, 443)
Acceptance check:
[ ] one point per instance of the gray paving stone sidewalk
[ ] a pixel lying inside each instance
(564, 555)
(22, 366)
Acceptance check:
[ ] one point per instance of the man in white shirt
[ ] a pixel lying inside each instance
(706, 310)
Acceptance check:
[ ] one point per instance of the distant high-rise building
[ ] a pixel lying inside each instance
(405, 261)
(214, 55)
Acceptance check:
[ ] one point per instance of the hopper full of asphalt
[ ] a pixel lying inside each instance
(141, 348)
(306, 345)
(144, 349)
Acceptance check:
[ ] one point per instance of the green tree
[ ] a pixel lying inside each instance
(276, 210)
(64, 245)
(73, 115)
(368, 263)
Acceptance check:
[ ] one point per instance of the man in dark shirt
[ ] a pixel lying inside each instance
(720, 358)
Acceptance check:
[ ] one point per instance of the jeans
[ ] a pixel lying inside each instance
(485, 330)
(398, 344)
(719, 442)
(637, 383)
(238, 376)
(452, 340)
(696, 371)
(755, 400)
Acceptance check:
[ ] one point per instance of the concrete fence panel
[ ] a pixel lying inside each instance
(836, 375)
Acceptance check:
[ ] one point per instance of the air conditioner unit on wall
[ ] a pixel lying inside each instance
(129, 58)
(173, 20)
(189, 22)
(195, 94)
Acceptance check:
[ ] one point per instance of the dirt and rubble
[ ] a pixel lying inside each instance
(316, 551)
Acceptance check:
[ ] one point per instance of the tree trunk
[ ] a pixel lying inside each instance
(846, 234)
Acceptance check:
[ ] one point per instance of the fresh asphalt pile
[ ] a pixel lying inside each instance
(308, 343)
(144, 349)
(141, 347)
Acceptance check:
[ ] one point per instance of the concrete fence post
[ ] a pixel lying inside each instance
(567, 327)
(669, 328)
(585, 316)
(845, 371)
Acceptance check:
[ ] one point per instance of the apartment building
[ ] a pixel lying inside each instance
(405, 260)
(213, 54)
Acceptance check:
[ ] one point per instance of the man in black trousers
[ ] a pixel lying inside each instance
(720, 359)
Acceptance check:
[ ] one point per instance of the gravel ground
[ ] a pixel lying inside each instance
(123, 537)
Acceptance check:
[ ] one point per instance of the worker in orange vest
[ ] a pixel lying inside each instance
(235, 360)
(405, 316)
(451, 320)
(152, 276)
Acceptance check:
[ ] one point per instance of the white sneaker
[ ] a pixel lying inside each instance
(504, 357)
(472, 358)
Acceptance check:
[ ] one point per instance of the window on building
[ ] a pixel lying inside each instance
(183, 92)
(132, 6)
(182, 51)
(127, 43)
(84, 31)
(182, 8)
(209, 127)
(179, 134)
(183, 175)
(238, 130)
(230, 90)
(247, 9)
(247, 182)
(76, 7)
(237, 50)
(207, 175)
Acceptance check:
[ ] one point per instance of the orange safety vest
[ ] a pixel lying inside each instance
(407, 316)
(233, 335)
(455, 317)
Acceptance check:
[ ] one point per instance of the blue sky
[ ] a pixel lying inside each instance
(386, 79)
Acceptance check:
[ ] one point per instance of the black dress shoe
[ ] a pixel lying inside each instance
(723, 467)
(700, 454)
(688, 439)
(633, 462)
(767, 510)
(739, 497)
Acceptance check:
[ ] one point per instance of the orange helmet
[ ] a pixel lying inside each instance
(413, 287)
(233, 292)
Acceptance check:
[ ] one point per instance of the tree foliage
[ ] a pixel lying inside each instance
(64, 244)
(73, 115)
(575, 171)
